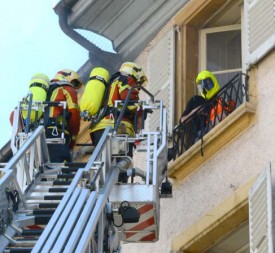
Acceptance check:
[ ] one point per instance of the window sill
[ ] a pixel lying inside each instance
(217, 223)
(213, 141)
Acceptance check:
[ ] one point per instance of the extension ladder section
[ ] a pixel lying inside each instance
(48, 207)
(41, 201)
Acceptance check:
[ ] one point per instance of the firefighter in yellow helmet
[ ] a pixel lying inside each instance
(38, 88)
(207, 84)
(63, 88)
(95, 92)
(129, 74)
(208, 87)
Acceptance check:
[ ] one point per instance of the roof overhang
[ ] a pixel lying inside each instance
(129, 24)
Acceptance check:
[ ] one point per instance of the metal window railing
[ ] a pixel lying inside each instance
(197, 125)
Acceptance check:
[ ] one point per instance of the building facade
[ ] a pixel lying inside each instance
(210, 210)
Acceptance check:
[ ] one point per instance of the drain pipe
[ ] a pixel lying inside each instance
(97, 56)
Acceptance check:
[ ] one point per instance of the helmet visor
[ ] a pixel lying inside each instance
(207, 84)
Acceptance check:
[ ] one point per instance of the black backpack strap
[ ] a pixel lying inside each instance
(50, 90)
(41, 85)
(99, 78)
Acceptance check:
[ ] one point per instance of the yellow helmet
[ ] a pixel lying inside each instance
(132, 69)
(207, 84)
(40, 80)
(69, 76)
(100, 74)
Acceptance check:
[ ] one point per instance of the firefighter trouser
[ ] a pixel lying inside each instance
(58, 153)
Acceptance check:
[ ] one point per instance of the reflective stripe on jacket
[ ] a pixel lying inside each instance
(119, 91)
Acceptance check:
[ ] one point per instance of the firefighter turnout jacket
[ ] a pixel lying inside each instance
(64, 91)
(119, 89)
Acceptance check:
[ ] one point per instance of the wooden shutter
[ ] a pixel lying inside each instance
(260, 214)
(161, 75)
(260, 28)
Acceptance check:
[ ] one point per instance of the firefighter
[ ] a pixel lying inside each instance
(208, 87)
(63, 87)
(38, 87)
(130, 74)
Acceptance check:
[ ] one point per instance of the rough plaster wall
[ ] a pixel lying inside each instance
(242, 159)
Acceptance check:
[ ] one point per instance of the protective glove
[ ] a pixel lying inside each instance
(146, 112)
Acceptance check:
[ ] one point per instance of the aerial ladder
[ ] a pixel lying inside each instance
(81, 206)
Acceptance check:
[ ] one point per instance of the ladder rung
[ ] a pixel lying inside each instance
(75, 165)
(65, 176)
(60, 182)
(18, 250)
(69, 170)
(58, 189)
(42, 219)
(27, 232)
(48, 205)
(53, 197)
(43, 211)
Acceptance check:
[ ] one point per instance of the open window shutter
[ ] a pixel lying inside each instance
(161, 75)
(260, 28)
(260, 214)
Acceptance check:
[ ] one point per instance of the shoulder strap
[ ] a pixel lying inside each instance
(55, 85)
(50, 91)
(99, 78)
(41, 85)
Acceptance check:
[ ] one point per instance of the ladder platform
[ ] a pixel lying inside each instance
(142, 198)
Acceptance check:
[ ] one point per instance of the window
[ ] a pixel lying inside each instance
(221, 52)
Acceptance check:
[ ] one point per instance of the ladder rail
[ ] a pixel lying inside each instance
(49, 235)
(62, 221)
(80, 223)
(20, 158)
(83, 219)
(100, 204)
(57, 214)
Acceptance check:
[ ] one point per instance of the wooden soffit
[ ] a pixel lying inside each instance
(197, 12)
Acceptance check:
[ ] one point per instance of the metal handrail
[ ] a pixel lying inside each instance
(18, 174)
(100, 183)
(14, 162)
(197, 125)
(126, 103)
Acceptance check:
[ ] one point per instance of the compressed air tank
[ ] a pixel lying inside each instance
(93, 94)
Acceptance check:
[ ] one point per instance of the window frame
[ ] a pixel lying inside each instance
(203, 45)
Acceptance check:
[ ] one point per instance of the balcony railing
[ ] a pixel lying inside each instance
(197, 125)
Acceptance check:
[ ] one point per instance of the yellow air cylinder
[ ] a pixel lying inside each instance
(93, 94)
(39, 85)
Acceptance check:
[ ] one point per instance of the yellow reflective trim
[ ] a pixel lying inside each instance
(124, 87)
(52, 98)
(70, 103)
(110, 122)
(113, 86)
